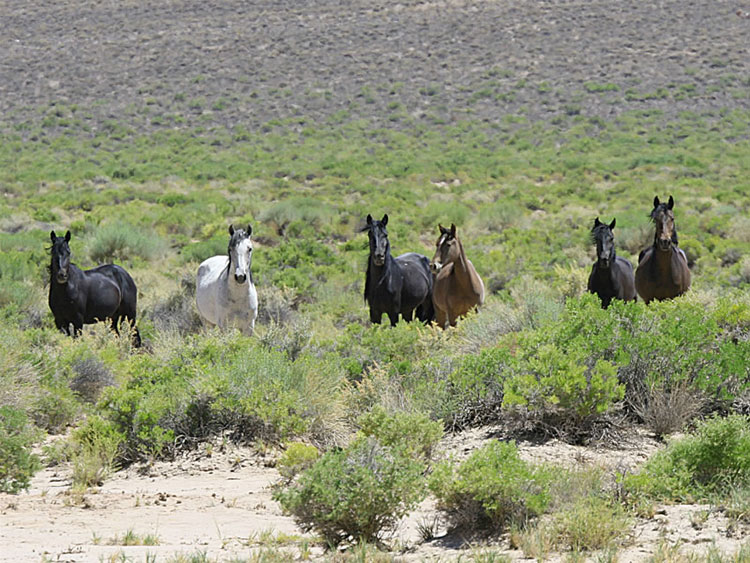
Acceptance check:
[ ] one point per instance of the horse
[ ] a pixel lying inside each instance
(396, 286)
(611, 275)
(458, 288)
(81, 297)
(224, 293)
(662, 271)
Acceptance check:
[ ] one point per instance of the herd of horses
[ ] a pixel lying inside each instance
(439, 291)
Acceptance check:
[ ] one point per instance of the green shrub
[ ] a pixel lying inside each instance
(413, 434)
(296, 458)
(566, 366)
(356, 493)
(493, 487)
(712, 460)
(95, 450)
(17, 463)
(590, 524)
(119, 242)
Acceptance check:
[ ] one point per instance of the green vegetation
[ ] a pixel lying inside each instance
(355, 493)
(712, 462)
(375, 400)
(17, 463)
(491, 489)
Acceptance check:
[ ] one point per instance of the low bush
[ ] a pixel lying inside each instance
(590, 524)
(355, 494)
(492, 488)
(712, 460)
(119, 242)
(17, 463)
(296, 458)
(413, 434)
(95, 451)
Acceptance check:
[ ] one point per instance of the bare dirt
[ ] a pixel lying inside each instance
(191, 63)
(217, 502)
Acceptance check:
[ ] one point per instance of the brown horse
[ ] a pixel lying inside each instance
(663, 271)
(458, 288)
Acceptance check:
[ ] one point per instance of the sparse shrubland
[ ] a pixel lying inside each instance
(369, 403)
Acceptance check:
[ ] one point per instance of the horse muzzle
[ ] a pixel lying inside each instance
(604, 263)
(378, 260)
(240, 278)
(62, 277)
(664, 244)
(435, 267)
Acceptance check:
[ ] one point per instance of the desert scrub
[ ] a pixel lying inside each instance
(94, 452)
(206, 385)
(120, 242)
(17, 463)
(708, 463)
(296, 458)
(491, 489)
(356, 493)
(590, 524)
(565, 368)
(414, 434)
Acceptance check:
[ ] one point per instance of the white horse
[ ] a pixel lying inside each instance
(224, 292)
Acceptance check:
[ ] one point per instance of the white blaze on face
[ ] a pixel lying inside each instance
(241, 259)
(436, 265)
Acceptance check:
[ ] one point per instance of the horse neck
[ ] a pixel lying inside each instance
(662, 259)
(382, 274)
(461, 265)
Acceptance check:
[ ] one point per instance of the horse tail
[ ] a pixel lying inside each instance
(426, 310)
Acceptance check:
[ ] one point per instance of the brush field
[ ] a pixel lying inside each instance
(147, 128)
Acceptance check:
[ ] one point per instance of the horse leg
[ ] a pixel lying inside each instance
(408, 315)
(394, 318)
(375, 316)
(440, 317)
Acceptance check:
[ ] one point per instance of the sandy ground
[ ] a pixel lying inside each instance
(220, 505)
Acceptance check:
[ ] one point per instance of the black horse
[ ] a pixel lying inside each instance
(611, 275)
(80, 297)
(398, 285)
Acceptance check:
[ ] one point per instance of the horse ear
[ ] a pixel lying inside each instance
(453, 230)
(670, 203)
(369, 219)
(67, 236)
(656, 201)
(612, 224)
(384, 220)
(249, 229)
(52, 235)
(443, 230)
(597, 222)
(231, 230)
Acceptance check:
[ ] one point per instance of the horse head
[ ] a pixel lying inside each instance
(663, 218)
(605, 242)
(447, 248)
(240, 252)
(60, 257)
(379, 245)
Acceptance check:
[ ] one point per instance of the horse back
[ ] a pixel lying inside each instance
(625, 279)
(417, 278)
(110, 290)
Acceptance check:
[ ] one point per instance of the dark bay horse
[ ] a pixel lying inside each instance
(458, 288)
(663, 271)
(81, 297)
(611, 275)
(396, 286)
